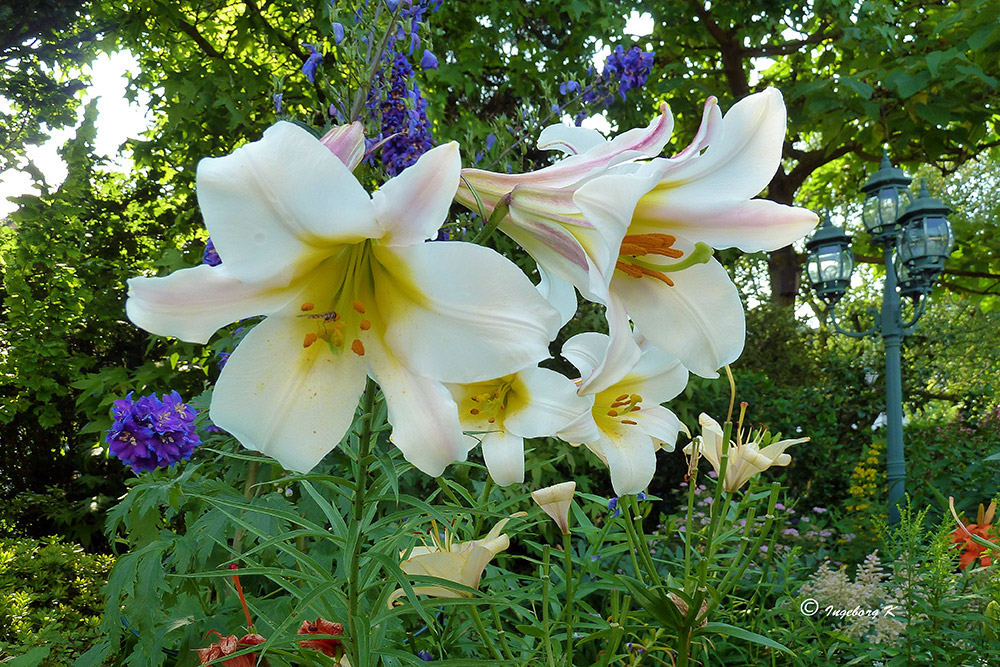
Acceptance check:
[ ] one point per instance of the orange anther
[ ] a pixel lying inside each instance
(474, 411)
(307, 306)
(492, 420)
(358, 306)
(628, 421)
(365, 325)
(621, 398)
(309, 339)
(358, 348)
(628, 269)
(612, 413)
(655, 274)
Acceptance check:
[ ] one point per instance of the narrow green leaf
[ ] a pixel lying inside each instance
(740, 633)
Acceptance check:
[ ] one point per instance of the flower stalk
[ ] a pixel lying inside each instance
(365, 437)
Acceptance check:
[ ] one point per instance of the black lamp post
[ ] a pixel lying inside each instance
(916, 239)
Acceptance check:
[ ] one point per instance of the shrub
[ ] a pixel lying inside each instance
(50, 599)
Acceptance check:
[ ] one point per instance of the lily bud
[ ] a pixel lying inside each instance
(555, 501)
(347, 142)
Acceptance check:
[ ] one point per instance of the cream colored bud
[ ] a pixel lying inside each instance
(555, 501)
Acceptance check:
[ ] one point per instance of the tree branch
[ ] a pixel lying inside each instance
(192, 32)
(730, 52)
(795, 46)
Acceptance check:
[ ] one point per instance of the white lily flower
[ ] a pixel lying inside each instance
(627, 419)
(349, 289)
(555, 501)
(532, 403)
(637, 236)
(744, 461)
(461, 562)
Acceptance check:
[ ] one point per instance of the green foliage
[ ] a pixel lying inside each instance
(43, 45)
(50, 599)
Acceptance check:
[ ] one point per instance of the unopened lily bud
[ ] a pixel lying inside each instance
(347, 142)
(555, 501)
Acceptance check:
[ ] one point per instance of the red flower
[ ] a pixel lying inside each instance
(972, 550)
(331, 647)
(229, 645)
(983, 528)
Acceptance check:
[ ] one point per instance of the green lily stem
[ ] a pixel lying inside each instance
(545, 606)
(732, 578)
(357, 530)
(618, 628)
(628, 504)
(483, 505)
(501, 634)
(448, 492)
(496, 217)
(487, 640)
(568, 607)
(692, 484)
(249, 491)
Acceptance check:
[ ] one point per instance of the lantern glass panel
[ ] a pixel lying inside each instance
(830, 262)
(902, 273)
(939, 236)
(911, 243)
(888, 201)
(870, 213)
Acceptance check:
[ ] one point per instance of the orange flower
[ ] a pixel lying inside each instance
(331, 647)
(983, 528)
(229, 645)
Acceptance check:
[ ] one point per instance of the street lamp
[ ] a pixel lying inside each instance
(916, 239)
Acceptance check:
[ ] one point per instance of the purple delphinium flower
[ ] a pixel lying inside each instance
(152, 433)
(404, 120)
(312, 63)
(490, 140)
(641, 495)
(210, 256)
(629, 68)
(276, 98)
(623, 71)
(338, 33)
(394, 98)
(568, 87)
(429, 60)
(613, 505)
(425, 656)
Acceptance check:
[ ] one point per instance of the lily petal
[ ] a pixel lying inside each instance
(620, 354)
(633, 144)
(657, 376)
(699, 320)
(752, 225)
(569, 139)
(631, 456)
(742, 157)
(412, 205)
(192, 304)
(459, 312)
(559, 293)
(543, 403)
(272, 206)
(289, 402)
(660, 424)
(347, 142)
(504, 455)
(423, 415)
